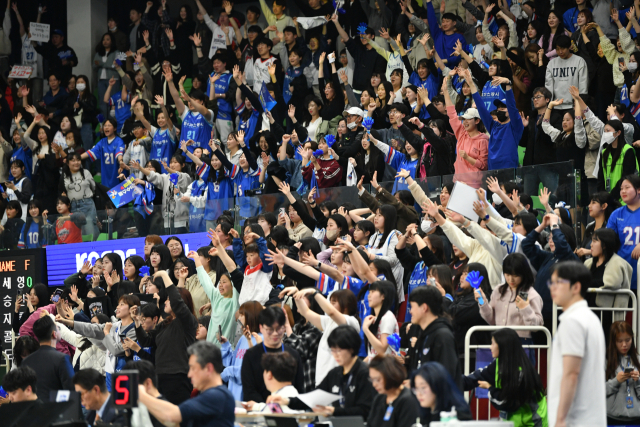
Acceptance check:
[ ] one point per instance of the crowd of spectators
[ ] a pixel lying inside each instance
(205, 112)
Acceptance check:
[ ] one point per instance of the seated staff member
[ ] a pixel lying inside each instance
(351, 377)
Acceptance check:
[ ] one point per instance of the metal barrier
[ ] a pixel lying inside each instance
(468, 347)
(633, 309)
(7, 362)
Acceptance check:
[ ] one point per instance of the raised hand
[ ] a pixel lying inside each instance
(196, 39)
(493, 185)
(292, 111)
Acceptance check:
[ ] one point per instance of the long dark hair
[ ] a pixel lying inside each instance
(613, 360)
(609, 241)
(462, 102)
(442, 273)
(188, 301)
(86, 93)
(38, 204)
(388, 290)
(177, 239)
(374, 155)
(609, 150)
(519, 381)
(165, 258)
(546, 35)
(390, 215)
(437, 247)
(442, 385)
(137, 262)
(101, 50)
(116, 261)
(187, 9)
(42, 292)
(517, 265)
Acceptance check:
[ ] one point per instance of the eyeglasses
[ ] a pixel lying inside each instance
(422, 391)
(535, 98)
(271, 331)
(551, 283)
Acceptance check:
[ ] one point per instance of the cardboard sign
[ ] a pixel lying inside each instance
(39, 32)
(20, 72)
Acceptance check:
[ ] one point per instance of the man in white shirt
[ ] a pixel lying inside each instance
(576, 390)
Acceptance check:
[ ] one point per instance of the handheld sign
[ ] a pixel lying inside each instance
(39, 32)
(20, 72)
(124, 192)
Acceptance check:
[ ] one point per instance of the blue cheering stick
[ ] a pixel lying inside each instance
(173, 178)
(475, 279)
(144, 271)
(368, 124)
(394, 342)
(337, 8)
(330, 140)
(362, 28)
(318, 153)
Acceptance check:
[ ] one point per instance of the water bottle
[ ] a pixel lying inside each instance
(446, 417)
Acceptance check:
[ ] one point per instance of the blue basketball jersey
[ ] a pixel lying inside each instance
(163, 146)
(122, 108)
(626, 223)
(196, 128)
(490, 94)
(218, 193)
(107, 153)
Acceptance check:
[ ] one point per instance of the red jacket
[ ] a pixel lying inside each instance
(329, 174)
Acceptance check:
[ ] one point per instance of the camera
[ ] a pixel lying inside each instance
(256, 192)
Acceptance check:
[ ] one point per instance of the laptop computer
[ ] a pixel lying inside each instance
(356, 421)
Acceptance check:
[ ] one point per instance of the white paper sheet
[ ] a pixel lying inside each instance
(318, 398)
(461, 200)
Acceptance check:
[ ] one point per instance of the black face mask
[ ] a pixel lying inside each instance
(502, 116)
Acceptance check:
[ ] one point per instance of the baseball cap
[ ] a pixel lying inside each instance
(355, 111)
(500, 103)
(58, 31)
(471, 113)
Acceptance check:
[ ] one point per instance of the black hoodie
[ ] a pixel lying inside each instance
(436, 344)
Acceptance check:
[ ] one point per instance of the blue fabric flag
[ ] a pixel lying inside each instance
(143, 203)
(266, 100)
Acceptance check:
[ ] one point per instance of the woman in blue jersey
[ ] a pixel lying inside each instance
(398, 160)
(197, 120)
(248, 107)
(108, 151)
(625, 221)
(33, 234)
(219, 190)
(163, 144)
(21, 150)
(247, 178)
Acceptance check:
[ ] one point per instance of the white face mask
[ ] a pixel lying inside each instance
(351, 125)
(632, 66)
(81, 87)
(607, 138)
(427, 225)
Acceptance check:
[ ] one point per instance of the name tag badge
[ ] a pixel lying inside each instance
(387, 415)
(629, 402)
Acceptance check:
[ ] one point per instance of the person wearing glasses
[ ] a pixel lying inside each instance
(436, 392)
(272, 326)
(394, 406)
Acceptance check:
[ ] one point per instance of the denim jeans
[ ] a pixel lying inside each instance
(535, 176)
(88, 208)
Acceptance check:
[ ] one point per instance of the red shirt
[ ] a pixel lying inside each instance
(68, 232)
(329, 174)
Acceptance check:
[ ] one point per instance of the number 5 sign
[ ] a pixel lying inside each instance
(125, 386)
